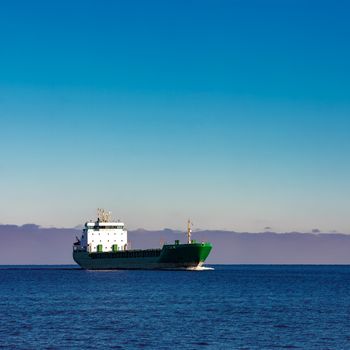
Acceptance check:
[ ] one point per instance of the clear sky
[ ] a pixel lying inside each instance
(235, 113)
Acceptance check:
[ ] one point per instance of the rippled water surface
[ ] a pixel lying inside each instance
(231, 307)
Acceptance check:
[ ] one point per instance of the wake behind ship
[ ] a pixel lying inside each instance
(104, 246)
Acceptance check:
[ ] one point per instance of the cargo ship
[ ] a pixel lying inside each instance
(103, 245)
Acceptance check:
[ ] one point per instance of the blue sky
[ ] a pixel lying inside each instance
(235, 113)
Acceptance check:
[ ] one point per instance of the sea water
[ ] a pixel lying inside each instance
(230, 307)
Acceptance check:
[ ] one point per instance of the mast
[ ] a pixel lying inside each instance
(189, 231)
(103, 215)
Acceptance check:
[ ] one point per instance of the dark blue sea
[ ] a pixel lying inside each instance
(231, 307)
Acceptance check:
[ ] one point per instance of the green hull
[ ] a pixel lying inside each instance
(171, 256)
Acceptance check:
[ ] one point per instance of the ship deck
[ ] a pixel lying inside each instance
(137, 253)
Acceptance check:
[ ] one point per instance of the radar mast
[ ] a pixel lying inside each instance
(103, 215)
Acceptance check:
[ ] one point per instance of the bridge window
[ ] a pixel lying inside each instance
(107, 227)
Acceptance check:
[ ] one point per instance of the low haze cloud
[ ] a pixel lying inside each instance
(31, 244)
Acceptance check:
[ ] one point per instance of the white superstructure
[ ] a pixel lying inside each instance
(104, 234)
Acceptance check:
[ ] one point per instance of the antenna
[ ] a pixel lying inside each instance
(103, 215)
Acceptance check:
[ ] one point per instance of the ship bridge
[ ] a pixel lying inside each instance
(104, 234)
